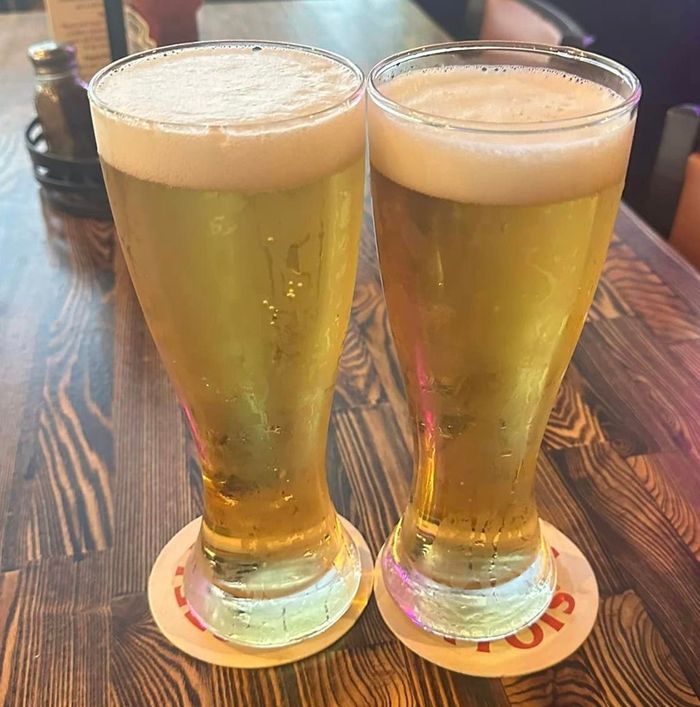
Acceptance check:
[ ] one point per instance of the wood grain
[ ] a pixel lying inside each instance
(558, 505)
(572, 421)
(358, 382)
(97, 470)
(643, 293)
(630, 659)
(63, 631)
(570, 684)
(146, 667)
(655, 560)
(675, 488)
(149, 449)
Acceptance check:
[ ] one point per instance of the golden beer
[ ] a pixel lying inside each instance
(491, 243)
(240, 227)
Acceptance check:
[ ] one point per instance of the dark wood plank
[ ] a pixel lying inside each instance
(607, 303)
(267, 688)
(687, 356)
(568, 684)
(9, 617)
(675, 487)
(364, 30)
(630, 659)
(370, 314)
(150, 447)
(358, 383)
(146, 669)
(666, 263)
(431, 685)
(646, 295)
(559, 505)
(61, 644)
(360, 676)
(63, 494)
(655, 559)
(378, 465)
(641, 408)
(572, 422)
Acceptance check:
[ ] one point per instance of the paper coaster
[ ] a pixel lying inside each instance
(554, 636)
(180, 626)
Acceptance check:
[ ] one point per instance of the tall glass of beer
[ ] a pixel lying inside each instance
(496, 176)
(235, 175)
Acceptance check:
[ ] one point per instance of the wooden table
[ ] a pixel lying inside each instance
(97, 473)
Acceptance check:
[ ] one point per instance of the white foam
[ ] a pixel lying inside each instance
(514, 166)
(229, 117)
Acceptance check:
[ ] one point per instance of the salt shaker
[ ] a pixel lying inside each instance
(61, 101)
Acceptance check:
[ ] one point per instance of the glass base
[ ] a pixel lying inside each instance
(484, 614)
(272, 622)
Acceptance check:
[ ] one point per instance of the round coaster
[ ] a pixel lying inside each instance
(180, 626)
(554, 636)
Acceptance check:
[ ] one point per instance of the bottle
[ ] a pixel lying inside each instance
(82, 24)
(156, 23)
(61, 101)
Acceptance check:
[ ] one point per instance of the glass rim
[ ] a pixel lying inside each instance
(396, 108)
(346, 102)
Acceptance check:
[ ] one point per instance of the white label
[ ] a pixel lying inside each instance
(82, 23)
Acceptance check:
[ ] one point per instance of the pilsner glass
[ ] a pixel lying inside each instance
(496, 171)
(235, 176)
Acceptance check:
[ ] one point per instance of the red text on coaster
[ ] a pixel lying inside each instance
(180, 626)
(553, 637)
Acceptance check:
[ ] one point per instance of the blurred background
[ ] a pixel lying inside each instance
(659, 41)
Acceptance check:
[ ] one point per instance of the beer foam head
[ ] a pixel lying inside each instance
(499, 134)
(249, 117)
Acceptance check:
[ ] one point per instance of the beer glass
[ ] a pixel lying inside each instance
(235, 176)
(496, 171)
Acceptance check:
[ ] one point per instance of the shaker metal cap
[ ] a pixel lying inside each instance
(50, 57)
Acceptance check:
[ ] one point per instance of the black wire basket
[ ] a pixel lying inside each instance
(73, 185)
